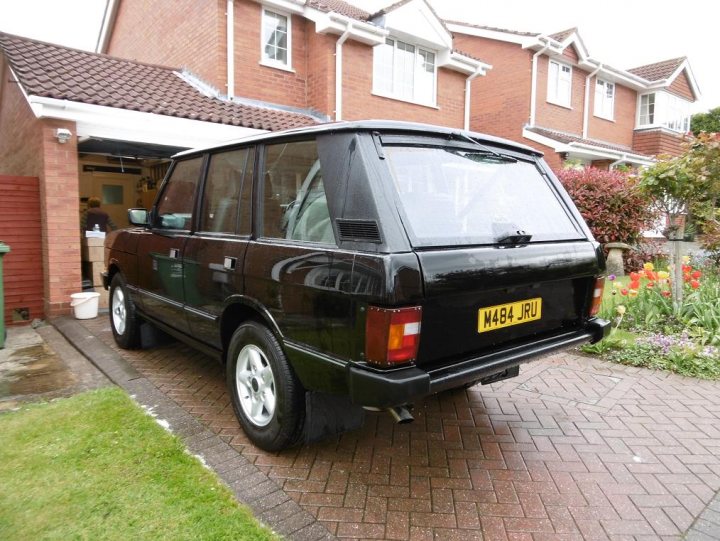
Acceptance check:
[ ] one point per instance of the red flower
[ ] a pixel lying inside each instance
(650, 285)
(686, 268)
(666, 293)
(686, 277)
(624, 291)
(635, 284)
(634, 276)
(697, 274)
(695, 284)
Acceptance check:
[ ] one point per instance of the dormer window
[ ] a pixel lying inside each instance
(404, 71)
(276, 40)
(661, 109)
(559, 89)
(604, 99)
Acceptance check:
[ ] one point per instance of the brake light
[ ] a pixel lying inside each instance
(597, 295)
(392, 335)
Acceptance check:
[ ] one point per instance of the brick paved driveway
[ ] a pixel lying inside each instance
(572, 449)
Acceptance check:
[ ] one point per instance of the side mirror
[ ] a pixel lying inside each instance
(138, 217)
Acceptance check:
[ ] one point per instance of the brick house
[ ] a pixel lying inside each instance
(325, 56)
(75, 124)
(546, 91)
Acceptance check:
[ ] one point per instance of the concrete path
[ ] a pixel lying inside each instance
(39, 364)
(574, 448)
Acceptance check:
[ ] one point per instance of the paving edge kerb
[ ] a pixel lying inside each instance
(250, 485)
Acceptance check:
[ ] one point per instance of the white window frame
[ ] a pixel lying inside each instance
(265, 60)
(647, 122)
(554, 83)
(389, 88)
(677, 116)
(670, 112)
(604, 106)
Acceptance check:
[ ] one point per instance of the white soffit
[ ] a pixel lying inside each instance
(111, 123)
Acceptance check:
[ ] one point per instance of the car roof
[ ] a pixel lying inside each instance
(365, 125)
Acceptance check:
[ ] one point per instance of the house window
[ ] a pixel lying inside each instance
(404, 71)
(276, 39)
(666, 110)
(678, 114)
(647, 110)
(604, 99)
(559, 83)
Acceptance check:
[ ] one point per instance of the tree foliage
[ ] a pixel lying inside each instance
(706, 122)
(689, 183)
(611, 203)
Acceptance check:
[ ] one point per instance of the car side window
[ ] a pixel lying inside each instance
(294, 202)
(227, 192)
(175, 208)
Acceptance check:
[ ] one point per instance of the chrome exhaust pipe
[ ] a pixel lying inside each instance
(401, 415)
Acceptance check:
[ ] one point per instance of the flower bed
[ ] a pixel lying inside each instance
(649, 330)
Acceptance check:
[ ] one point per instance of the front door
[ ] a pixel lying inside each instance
(161, 251)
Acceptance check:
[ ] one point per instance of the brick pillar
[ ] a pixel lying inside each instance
(59, 208)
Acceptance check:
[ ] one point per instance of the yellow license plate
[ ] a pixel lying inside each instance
(495, 317)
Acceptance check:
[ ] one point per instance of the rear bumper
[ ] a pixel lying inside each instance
(382, 389)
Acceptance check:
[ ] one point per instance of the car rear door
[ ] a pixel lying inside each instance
(214, 255)
(290, 267)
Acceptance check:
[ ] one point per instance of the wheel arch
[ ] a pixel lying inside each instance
(240, 309)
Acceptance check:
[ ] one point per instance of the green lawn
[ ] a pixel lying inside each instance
(95, 466)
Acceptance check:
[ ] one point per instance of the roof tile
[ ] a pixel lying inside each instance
(54, 71)
(338, 6)
(659, 70)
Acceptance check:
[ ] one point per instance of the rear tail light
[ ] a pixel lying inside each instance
(597, 295)
(392, 335)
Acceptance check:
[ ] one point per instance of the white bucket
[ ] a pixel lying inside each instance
(85, 305)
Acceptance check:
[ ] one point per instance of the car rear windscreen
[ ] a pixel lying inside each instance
(456, 196)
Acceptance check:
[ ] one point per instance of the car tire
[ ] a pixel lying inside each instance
(268, 399)
(124, 321)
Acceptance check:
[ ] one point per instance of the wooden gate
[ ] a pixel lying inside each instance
(23, 266)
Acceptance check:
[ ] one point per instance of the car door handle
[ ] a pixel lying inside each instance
(230, 263)
(174, 253)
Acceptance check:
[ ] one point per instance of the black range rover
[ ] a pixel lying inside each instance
(370, 262)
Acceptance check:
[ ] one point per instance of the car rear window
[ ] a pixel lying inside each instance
(461, 196)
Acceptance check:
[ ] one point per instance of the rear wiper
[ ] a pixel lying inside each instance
(518, 237)
(484, 148)
(510, 234)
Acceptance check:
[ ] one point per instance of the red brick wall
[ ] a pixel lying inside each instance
(552, 158)
(500, 101)
(657, 141)
(175, 33)
(255, 81)
(20, 151)
(620, 129)
(681, 87)
(571, 54)
(359, 103)
(553, 116)
(321, 78)
(59, 209)
(20, 229)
